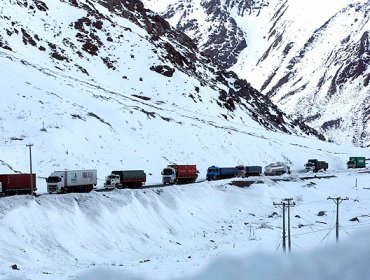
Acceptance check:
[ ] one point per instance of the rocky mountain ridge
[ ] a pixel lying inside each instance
(106, 84)
(309, 55)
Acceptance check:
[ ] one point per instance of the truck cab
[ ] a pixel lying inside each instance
(241, 170)
(310, 165)
(112, 181)
(168, 175)
(316, 165)
(55, 183)
(213, 173)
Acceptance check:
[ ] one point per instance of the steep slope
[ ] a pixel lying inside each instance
(308, 55)
(108, 84)
(214, 24)
(322, 68)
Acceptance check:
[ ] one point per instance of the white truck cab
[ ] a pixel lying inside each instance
(55, 182)
(112, 181)
(168, 175)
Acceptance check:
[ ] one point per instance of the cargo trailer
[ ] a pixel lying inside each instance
(179, 174)
(356, 162)
(125, 179)
(72, 181)
(247, 171)
(12, 184)
(277, 168)
(217, 173)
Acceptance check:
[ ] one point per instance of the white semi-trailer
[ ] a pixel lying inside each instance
(277, 168)
(72, 181)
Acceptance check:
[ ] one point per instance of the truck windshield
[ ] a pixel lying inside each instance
(167, 171)
(53, 179)
(212, 170)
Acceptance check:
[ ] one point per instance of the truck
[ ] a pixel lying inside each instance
(71, 181)
(179, 174)
(217, 173)
(20, 183)
(356, 162)
(253, 171)
(316, 165)
(277, 168)
(125, 179)
(246, 171)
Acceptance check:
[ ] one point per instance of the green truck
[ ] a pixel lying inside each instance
(125, 179)
(356, 162)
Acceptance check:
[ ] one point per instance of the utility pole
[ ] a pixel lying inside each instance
(30, 147)
(284, 235)
(288, 200)
(338, 200)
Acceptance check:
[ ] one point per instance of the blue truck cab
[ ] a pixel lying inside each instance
(216, 173)
(213, 173)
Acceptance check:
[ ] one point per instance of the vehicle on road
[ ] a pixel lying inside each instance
(72, 181)
(20, 183)
(217, 173)
(277, 168)
(316, 165)
(125, 179)
(356, 162)
(247, 171)
(179, 174)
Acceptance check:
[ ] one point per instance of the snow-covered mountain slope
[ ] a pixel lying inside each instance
(111, 86)
(214, 25)
(174, 232)
(311, 58)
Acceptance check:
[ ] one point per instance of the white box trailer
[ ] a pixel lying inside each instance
(72, 181)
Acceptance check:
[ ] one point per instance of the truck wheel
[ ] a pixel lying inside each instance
(62, 190)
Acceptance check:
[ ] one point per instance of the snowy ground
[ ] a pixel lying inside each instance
(174, 232)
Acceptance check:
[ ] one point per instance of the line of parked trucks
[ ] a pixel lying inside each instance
(85, 180)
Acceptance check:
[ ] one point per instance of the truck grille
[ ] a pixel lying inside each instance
(52, 188)
(166, 180)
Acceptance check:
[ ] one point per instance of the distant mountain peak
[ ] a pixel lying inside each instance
(307, 55)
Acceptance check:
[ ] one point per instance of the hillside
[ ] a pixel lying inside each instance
(311, 58)
(175, 232)
(111, 85)
(104, 88)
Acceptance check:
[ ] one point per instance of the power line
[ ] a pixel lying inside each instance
(326, 235)
(310, 232)
(284, 237)
(299, 247)
(286, 202)
(289, 238)
(338, 200)
(345, 231)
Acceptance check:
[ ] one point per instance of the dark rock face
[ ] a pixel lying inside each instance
(358, 66)
(220, 37)
(177, 52)
(163, 69)
(225, 39)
